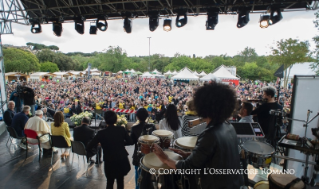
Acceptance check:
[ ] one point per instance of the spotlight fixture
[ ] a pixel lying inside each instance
(243, 18)
(183, 21)
(101, 24)
(93, 29)
(167, 26)
(212, 20)
(153, 21)
(265, 21)
(79, 26)
(57, 28)
(127, 25)
(275, 18)
(36, 27)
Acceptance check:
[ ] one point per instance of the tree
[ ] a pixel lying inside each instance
(63, 61)
(315, 65)
(37, 47)
(48, 67)
(17, 60)
(288, 52)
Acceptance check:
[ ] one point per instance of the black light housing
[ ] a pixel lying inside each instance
(57, 28)
(153, 21)
(36, 27)
(79, 26)
(167, 26)
(265, 21)
(93, 29)
(243, 18)
(127, 25)
(101, 24)
(183, 21)
(275, 18)
(212, 20)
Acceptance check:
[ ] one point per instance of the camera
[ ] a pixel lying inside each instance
(20, 90)
(277, 112)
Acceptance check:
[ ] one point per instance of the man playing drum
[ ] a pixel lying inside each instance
(217, 145)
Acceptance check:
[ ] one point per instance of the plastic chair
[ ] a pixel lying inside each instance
(58, 142)
(33, 135)
(12, 134)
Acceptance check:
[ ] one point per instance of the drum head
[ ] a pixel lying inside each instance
(257, 147)
(152, 161)
(187, 142)
(148, 138)
(282, 180)
(162, 133)
(262, 185)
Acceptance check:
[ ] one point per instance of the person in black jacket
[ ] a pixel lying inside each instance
(113, 140)
(216, 147)
(85, 134)
(136, 131)
(28, 97)
(9, 113)
(76, 108)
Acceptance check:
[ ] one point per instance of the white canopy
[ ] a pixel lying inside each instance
(132, 71)
(222, 73)
(147, 75)
(156, 72)
(75, 72)
(119, 72)
(37, 74)
(95, 74)
(301, 69)
(185, 74)
(92, 70)
(174, 73)
(61, 73)
(210, 77)
(202, 73)
(168, 73)
(195, 73)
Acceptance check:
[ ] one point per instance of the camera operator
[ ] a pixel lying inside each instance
(28, 97)
(265, 119)
(15, 97)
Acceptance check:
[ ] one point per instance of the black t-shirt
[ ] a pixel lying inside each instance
(267, 121)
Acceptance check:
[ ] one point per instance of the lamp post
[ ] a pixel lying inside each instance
(149, 54)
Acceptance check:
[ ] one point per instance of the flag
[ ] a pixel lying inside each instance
(280, 72)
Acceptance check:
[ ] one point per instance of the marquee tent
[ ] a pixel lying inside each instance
(174, 73)
(185, 74)
(168, 73)
(202, 74)
(156, 72)
(210, 77)
(301, 69)
(146, 75)
(222, 73)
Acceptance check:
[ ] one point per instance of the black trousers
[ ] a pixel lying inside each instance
(110, 181)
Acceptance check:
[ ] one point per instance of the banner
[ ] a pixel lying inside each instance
(280, 72)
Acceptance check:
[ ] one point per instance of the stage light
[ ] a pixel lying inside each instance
(93, 29)
(275, 18)
(167, 26)
(243, 18)
(212, 20)
(101, 24)
(79, 26)
(265, 21)
(153, 21)
(57, 28)
(183, 21)
(127, 25)
(36, 27)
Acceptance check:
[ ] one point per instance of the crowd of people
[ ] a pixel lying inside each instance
(171, 104)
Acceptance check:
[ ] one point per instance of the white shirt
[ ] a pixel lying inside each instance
(164, 126)
(40, 126)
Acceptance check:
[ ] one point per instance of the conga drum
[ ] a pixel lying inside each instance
(281, 181)
(262, 185)
(146, 143)
(186, 143)
(156, 173)
(165, 137)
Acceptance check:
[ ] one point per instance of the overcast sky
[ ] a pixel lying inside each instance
(193, 38)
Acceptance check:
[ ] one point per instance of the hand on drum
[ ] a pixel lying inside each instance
(180, 152)
(159, 153)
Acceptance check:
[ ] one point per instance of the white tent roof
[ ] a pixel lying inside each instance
(301, 69)
(156, 71)
(195, 72)
(185, 74)
(222, 73)
(75, 73)
(174, 72)
(209, 77)
(146, 74)
(202, 73)
(120, 71)
(92, 70)
(61, 73)
(95, 74)
(168, 72)
(41, 74)
(132, 70)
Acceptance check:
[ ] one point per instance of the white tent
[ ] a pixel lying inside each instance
(174, 73)
(156, 72)
(202, 73)
(119, 72)
(195, 73)
(168, 73)
(301, 69)
(132, 71)
(185, 74)
(210, 77)
(147, 75)
(222, 73)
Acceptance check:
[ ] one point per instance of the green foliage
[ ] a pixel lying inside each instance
(48, 67)
(63, 61)
(17, 60)
(36, 46)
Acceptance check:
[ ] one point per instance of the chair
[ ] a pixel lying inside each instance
(33, 135)
(12, 134)
(79, 149)
(58, 142)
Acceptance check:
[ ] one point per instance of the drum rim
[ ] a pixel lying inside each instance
(170, 135)
(273, 150)
(157, 139)
(188, 148)
(181, 147)
(145, 168)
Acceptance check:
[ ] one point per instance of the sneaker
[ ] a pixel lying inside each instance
(22, 146)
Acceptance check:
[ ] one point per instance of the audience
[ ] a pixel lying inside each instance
(190, 114)
(61, 128)
(41, 127)
(171, 122)
(9, 113)
(18, 122)
(85, 134)
(113, 140)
